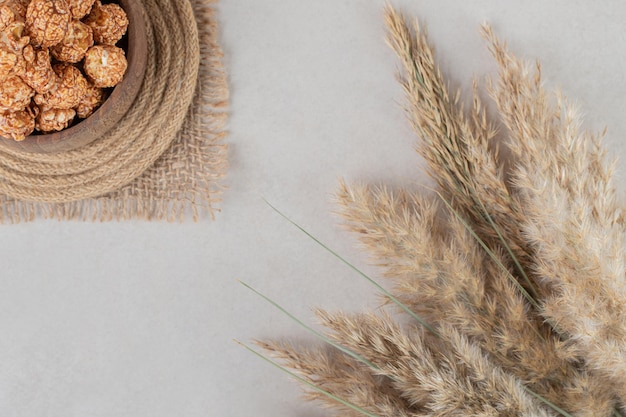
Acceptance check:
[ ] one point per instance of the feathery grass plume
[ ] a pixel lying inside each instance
(456, 146)
(443, 377)
(520, 278)
(441, 272)
(343, 377)
(571, 217)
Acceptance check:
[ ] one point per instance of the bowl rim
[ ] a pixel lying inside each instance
(113, 108)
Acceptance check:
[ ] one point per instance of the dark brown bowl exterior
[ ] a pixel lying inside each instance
(116, 105)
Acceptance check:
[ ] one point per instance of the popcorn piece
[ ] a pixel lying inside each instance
(37, 71)
(90, 101)
(12, 44)
(80, 8)
(78, 39)
(7, 62)
(35, 94)
(17, 125)
(19, 7)
(66, 93)
(16, 94)
(7, 16)
(54, 120)
(47, 21)
(105, 65)
(12, 11)
(13, 38)
(108, 22)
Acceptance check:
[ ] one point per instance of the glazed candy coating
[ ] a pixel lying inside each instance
(12, 11)
(16, 94)
(7, 16)
(54, 120)
(37, 71)
(72, 48)
(47, 21)
(8, 60)
(13, 37)
(105, 65)
(17, 125)
(80, 8)
(19, 6)
(90, 101)
(108, 22)
(67, 93)
(58, 58)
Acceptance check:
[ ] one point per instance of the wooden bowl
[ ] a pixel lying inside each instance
(115, 106)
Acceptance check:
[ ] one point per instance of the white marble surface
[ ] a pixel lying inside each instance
(137, 319)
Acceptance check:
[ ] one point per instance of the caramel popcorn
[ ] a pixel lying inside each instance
(34, 93)
(18, 6)
(108, 22)
(37, 71)
(90, 101)
(80, 8)
(105, 65)
(47, 21)
(54, 120)
(7, 62)
(12, 11)
(7, 16)
(12, 37)
(72, 48)
(67, 92)
(16, 94)
(17, 125)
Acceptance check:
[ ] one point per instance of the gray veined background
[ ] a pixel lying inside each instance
(137, 319)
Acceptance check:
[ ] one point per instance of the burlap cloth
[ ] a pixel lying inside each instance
(163, 160)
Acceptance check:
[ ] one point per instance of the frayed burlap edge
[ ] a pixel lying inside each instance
(186, 179)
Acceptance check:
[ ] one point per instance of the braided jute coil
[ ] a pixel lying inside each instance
(141, 137)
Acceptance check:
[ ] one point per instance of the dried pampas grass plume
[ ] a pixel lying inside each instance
(571, 217)
(512, 272)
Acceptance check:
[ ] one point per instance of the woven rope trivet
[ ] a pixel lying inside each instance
(163, 159)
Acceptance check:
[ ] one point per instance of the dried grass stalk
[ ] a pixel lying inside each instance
(440, 376)
(343, 377)
(441, 273)
(571, 217)
(518, 269)
(455, 144)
